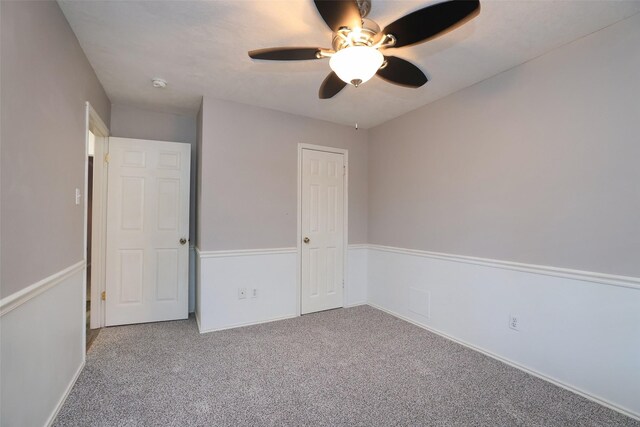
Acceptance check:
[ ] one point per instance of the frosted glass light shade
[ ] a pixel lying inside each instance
(356, 64)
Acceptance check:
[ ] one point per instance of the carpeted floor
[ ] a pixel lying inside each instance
(346, 367)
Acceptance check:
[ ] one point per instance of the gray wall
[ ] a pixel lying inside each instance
(249, 175)
(538, 164)
(131, 122)
(198, 197)
(46, 80)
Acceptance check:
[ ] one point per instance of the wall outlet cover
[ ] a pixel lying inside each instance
(514, 322)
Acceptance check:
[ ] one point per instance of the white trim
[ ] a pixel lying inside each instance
(193, 256)
(198, 321)
(304, 146)
(358, 246)
(586, 276)
(265, 251)
(516, 365)
(94, 122)
(356, 304)
(16, 299)
(64, 396)
(244, 252)
(299, 234)
(239, 325)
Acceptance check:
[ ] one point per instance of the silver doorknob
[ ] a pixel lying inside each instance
(306, 240)
(183, 241)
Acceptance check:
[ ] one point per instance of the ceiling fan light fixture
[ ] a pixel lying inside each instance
(356, 64)
(356, 42)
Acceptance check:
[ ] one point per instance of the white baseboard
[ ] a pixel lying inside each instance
(63, 398)
(355, 304)
(240, 325)
(275, 319)
(514, 364)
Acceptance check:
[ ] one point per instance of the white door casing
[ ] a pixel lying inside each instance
(322, 230)
(98, 217)
(147, 264)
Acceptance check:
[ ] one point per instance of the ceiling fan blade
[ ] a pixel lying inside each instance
(339, 13)
(285, 53)
(432, 21)
(331, 86)
(401, 72)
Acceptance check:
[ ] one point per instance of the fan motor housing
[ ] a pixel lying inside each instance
(368, 35)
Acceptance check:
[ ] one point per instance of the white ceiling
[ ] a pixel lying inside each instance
(200, 48)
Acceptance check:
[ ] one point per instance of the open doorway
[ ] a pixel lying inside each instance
(95, 225)
(91, 334)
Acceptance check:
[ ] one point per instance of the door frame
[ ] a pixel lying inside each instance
(345, 152)
(94, 123)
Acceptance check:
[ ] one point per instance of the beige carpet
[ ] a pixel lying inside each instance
(347, 367)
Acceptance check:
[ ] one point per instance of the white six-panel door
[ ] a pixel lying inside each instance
(147, 264)
(322, 230)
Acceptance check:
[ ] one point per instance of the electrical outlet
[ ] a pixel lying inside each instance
(254, 293)
(242, 293)
(514, 322)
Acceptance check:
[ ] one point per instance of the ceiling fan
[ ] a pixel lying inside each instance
(356, 56)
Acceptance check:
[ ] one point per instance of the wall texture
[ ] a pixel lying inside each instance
(132, 122)
(249, 175)
(46, 80)
(537, 165)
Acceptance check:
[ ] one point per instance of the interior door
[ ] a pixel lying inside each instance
(323, 239)
(147, 263)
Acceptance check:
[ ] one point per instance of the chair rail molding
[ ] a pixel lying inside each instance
(244, 252)
(586, 276)
(18, 298)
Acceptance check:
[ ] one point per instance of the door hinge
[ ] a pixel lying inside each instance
(103, 296)
(107, 157)
(344, 170)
